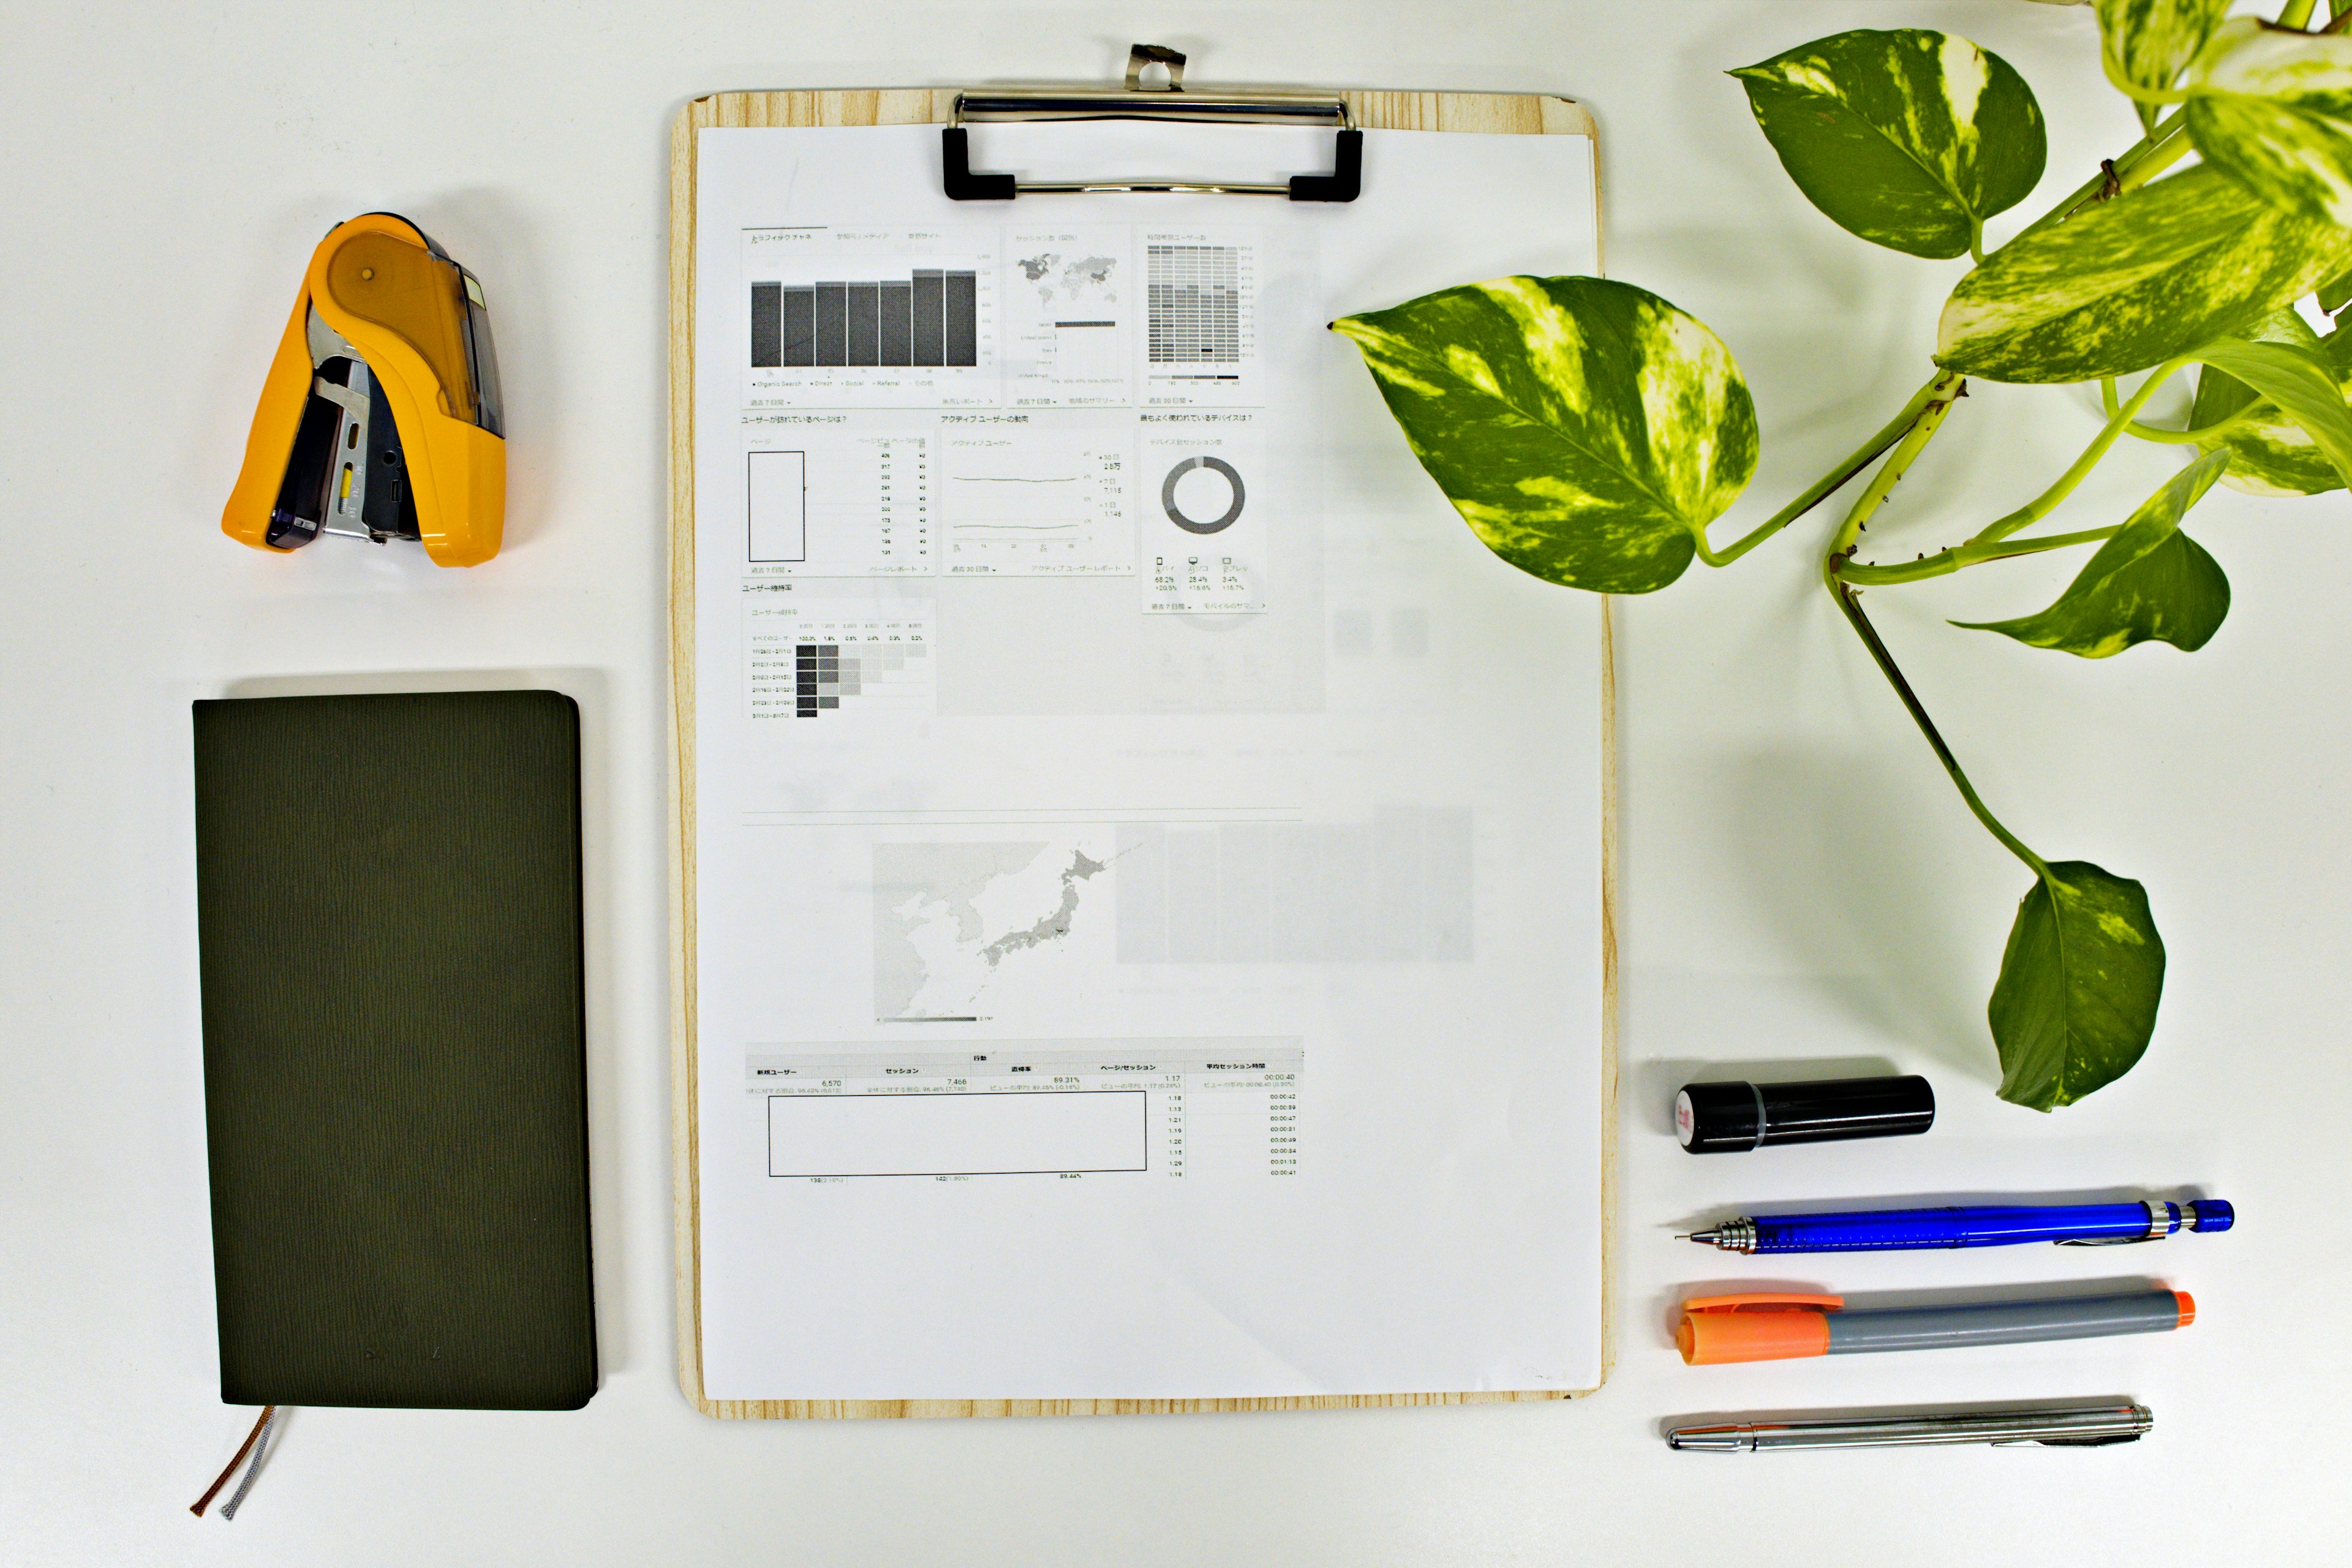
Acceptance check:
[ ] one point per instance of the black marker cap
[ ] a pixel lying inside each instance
(1718, 1118)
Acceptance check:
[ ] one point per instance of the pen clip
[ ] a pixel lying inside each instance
(1763, 1302)
(2163, 1219)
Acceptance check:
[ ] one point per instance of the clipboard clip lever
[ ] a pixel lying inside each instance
(1138, 102)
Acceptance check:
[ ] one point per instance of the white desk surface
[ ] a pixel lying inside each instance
(1800, 883)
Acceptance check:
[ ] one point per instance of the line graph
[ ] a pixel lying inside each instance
(1038, 503)
(1020, 503)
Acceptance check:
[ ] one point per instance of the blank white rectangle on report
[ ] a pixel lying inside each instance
(779, 506)
(1015, 1132)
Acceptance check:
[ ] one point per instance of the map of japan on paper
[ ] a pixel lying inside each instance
(1147, 861)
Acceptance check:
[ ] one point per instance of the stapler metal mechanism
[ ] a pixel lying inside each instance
(381, 417)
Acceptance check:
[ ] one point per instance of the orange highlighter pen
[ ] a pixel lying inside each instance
(1775, 1326)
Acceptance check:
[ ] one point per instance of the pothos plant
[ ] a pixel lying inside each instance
(1590, 432)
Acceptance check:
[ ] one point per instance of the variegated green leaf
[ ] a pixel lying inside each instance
(2336, 292)
(2149, 583)
(2299, 381)
(1588, 431)
(2149, 43)
(1910, 139)
(2270, 453)
(2220, 395)
(2274, 112)
(2076, 1003)
(2135, 281)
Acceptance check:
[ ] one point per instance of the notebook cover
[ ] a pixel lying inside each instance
(395, 1100)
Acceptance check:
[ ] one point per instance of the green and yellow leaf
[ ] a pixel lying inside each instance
(2076, 1003)
(2270, 453)
(2272, 110)
(2135, 281)
(2149, 583)
(1588, 431)
(1910, 139)
(2149, 43)
(2297, 381)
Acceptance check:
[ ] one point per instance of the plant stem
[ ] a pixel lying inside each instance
(1850, 603)
(2166, 144)
(2156, 162)
(2154, 153)
(2202, 434)
(1959, 556)
(1942, 392)
(2297, 14)
(1858, 459)
(2042, 505)
(1933, 402)
(2117, 169)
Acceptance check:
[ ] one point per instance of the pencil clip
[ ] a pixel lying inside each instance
(1138, 102)
(2163, 1219)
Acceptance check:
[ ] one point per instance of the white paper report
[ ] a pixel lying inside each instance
(1148, 891)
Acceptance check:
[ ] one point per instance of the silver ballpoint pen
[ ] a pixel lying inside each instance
(2082, 1425)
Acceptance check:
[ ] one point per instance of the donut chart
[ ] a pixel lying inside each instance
(1193, 525)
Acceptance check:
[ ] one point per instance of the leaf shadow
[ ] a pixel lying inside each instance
(1820, 848)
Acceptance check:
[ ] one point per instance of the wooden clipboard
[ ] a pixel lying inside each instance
(1491, 113)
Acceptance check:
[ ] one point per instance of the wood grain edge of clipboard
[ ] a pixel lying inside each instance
(1494, 114)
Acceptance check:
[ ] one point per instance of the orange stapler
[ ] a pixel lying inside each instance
(381, 417)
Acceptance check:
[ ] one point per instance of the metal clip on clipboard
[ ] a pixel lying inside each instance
(1137, 101)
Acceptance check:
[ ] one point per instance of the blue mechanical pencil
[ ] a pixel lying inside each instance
(1893, 1230)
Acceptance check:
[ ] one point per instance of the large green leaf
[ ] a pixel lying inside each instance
(2134, 281)
(2149, 583)
(2218, 393)
(2298, 381)
(1910, 139)
(2079, 985)
(2273, 110)
(2150, 42)
(1588, 431)
(2270, 453)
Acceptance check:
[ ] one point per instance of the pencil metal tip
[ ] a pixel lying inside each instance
(1710, 1237)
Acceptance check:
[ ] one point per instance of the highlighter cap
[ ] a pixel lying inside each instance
(1760, 1325)
(1721, 1117)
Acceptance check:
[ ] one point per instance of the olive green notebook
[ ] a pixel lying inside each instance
(388, 902)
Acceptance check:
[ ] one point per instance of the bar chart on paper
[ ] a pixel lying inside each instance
(867, 320)
(928, 316)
